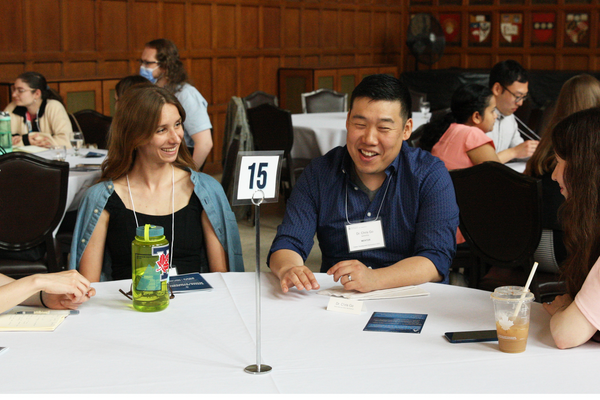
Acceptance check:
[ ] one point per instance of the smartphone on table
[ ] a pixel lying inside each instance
(472, 336)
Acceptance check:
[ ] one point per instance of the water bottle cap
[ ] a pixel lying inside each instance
(4, 115)
(147, 231)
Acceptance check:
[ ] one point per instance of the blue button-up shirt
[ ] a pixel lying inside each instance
(419, 214)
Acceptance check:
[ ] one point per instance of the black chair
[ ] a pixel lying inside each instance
(272, 129)
(94, 126)
(33, 196)
(501, 220)
(324, 100)
(257, 98)
(416, 98)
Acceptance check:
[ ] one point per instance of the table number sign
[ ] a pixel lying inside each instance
(258, 175)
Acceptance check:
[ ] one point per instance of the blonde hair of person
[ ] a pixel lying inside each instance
(578, 93)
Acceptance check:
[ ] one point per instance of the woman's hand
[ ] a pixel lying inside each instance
(39, 140)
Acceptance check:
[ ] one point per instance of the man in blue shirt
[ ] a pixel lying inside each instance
(385, 214)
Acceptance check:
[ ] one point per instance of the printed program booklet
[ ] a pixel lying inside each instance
(188, 283)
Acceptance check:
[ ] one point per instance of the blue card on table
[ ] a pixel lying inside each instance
(188, 283)
(396, 322)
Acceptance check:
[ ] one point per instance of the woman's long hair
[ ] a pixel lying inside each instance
(466, 100)
(578, 93)
(134, 125)
(576, 139)
(36, 81)
(167, 56)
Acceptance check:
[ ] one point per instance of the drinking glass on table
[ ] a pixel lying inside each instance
(59, 153)
(77, 142)
(425, 107)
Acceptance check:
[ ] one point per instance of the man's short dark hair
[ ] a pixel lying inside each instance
(507, 72)
(384, 87)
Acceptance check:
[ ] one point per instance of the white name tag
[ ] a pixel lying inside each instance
(345, 305)
(365, 236)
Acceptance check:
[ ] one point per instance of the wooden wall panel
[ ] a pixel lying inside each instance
(12, 27)
(249, 74)
(271, 28)
(113, 26)
(174, 22)
(329, 31)
(81, 37)
(310, 28)
(230, 47)
(45, 17)
(201, 26)
(291, 22)
(225, 79)
(145, 24)
(249, 22)
(226, 27)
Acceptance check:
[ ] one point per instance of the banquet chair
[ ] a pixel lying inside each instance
(94, 126)
(257, 98)
(272, 129)
(324, 100)
(416, 99)
(33, 199)
(501, 220)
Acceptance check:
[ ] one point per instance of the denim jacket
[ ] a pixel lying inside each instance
(213, 201)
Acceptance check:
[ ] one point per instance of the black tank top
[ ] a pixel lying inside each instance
(190, 250)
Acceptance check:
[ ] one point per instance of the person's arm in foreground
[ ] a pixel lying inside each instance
(67, 289)
(568, 325)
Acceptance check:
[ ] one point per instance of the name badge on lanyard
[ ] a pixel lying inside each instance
(365, 236)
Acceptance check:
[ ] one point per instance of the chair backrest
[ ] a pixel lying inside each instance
(324, 100)
(94, 126)
(259, 97)
(500, 212)
(271, 128)
(416, 99)
(33, 195)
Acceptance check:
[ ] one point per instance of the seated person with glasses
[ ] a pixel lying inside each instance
(385, 213)
(149, 177)
(508, 82)
(38, 116)
(60, 290)
(160, 64)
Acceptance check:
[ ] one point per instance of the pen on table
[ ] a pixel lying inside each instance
(44, 312)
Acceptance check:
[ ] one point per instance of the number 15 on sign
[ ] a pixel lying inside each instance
(258, 171)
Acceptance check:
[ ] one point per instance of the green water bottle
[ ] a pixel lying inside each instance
(5, 133)
(150, 269)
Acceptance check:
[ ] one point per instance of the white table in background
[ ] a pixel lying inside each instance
(317, 133)
(202, 342)
(79, 181)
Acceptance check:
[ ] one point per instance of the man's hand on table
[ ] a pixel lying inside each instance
(299, 276)
(354, 275)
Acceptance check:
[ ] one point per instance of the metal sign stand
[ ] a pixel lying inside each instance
(258, 368)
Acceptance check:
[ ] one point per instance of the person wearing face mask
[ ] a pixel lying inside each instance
(38, 116)
(160, 64)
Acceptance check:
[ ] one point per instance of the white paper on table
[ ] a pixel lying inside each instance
(406, 291)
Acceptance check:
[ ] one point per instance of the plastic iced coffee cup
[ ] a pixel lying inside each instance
(512, 329)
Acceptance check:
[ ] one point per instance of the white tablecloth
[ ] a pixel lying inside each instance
(202, 342)
(79, 181)
(317, 133)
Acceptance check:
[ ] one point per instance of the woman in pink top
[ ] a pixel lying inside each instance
(459, 139)
(576, 142)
